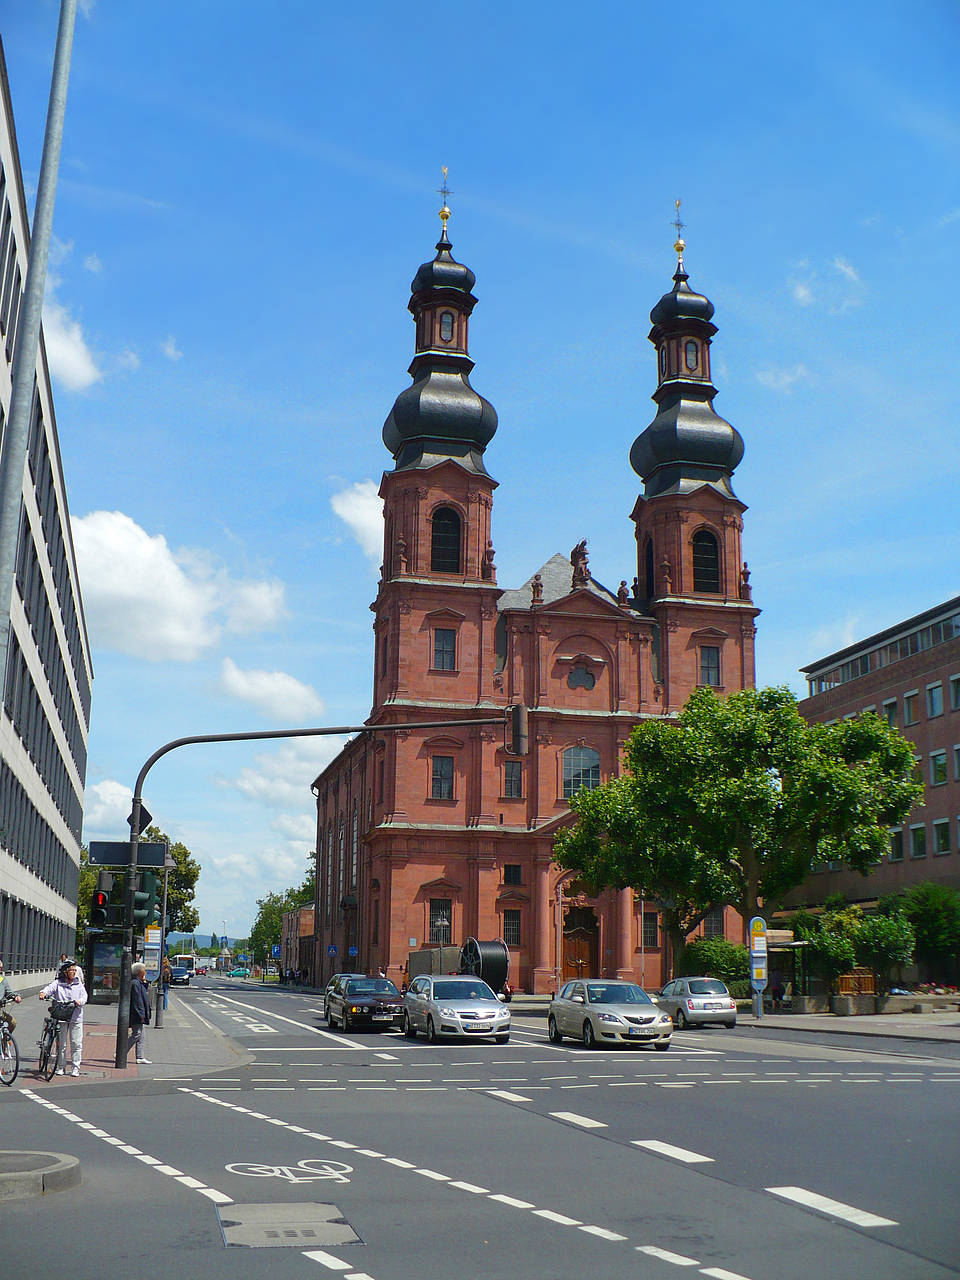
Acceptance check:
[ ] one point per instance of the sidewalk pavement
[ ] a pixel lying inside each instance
(186, 1045)
(942, 1026)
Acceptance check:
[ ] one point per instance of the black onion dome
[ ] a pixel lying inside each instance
(443, 272)
(681, 304)
(687, 444)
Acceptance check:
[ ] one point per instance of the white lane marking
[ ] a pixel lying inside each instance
(193, 1183)
(721, 1273)
(400, 1164)
(560, 1218)
(328, 1260)
(357, 1275)
(835, 1208)
(507, 1096)
(678, 1259)
(432, 1173)
(361, 1151)
(603, 1233)
(216, 1196)
(469, 1186)
(387, 1057)
(678, 1153)
(169, 1170)
(200, 1018)
(303, 1026)
(513, 1203)
(572, 1118)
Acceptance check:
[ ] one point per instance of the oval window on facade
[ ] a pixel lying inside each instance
(691, 354)
(446, 326)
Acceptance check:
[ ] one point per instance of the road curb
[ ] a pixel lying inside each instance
(24, 1174)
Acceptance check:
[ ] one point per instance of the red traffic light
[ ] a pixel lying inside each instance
(100, 899)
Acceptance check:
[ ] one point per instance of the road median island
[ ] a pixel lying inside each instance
(24, 1174)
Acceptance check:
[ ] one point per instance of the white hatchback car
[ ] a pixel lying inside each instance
(454, 1005)
(595, 1010)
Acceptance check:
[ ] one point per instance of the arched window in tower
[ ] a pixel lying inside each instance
(445, 542)
(691, 355)
(663, 361)
(446, 326)
(650, 581)
(581, 769)
(354, 846)
(706, 562)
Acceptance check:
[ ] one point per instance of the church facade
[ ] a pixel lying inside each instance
(429, 836)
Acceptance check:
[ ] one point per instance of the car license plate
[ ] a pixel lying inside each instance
(642, 1031)
(481, 1026)
(383, 1017)
(713, 1004)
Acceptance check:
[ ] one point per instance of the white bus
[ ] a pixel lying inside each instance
(188, 962)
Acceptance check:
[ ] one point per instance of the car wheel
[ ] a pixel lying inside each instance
(662, 1048)
(347, 1025)
(731, 1024)
(431, 1031)
(589, 1038)
(681, 1020)
(409, 1030)
(554, 1034)
(504, 1038)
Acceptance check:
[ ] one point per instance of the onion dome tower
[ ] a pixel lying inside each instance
(440, 415)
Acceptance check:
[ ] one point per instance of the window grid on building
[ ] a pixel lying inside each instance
(896, 845)
(512, 873)
(918, 842)
(581, 770)
(941, 836)
(910, 708)
(445, 541)
(934, 700)
(512, 780)
(651, 932)
(441, 920)
(444, 649)
(713, 923)
(441, 781)
(710, 665)
(706, 562)
(938, 768)
(511, 927)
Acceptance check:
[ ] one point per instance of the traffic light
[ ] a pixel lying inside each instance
(145, 897)
(100, 903)
(519, 736)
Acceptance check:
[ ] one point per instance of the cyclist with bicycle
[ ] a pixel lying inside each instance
(7, 990)
(68, 985)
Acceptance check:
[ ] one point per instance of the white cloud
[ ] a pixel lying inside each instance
(71, 362)
(835, 288)
(846, 269)
(170, 349)
(128, 359)
(143, 599)
(782, 379)
(281, 779)
(92, 263)
(361, 509)
(802, 293)
(105, 809)
(279, 696)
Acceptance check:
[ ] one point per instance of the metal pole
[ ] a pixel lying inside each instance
(17, 430)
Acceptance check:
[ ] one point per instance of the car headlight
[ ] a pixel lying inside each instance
(447, 1013)
(665, 1017)
(503, 1013)
(608, 1017)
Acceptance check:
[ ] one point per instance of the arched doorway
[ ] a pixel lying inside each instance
(581, 943)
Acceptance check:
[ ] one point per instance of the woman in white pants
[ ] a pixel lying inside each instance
(68, 985)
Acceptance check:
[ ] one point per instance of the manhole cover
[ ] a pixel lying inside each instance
(284, 1226)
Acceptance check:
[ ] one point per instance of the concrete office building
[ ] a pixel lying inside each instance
(46, 694)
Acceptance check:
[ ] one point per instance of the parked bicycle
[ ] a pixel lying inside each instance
(53, 1037)
(9, 1053)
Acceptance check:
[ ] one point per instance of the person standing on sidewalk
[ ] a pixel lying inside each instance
(7, 990)
(139, 1011)
(68, 985)
(165, 976)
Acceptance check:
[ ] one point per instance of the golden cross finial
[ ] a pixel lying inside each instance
(681, 244)
(444, 191)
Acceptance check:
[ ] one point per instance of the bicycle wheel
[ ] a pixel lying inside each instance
(49, 1051)
(9, 1059)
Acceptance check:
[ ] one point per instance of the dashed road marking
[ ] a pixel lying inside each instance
(678, 1259)
(833, 1208)
(507, 1096)
(676, 1153)
(584, 1122)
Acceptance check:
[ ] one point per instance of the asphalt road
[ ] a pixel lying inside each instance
(737, 1155)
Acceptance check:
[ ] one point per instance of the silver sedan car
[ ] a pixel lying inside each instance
(697, 1001)
(454, 1005)
(598, 1011)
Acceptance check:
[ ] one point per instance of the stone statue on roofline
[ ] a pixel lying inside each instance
(579, 558)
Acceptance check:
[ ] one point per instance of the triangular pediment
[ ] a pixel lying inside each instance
(709, 633)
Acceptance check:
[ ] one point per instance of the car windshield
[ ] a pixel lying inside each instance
(371, 987)
(616, 993)
(707, 987)
(453, 989)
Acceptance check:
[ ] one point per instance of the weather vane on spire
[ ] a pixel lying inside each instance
(681, 244)
(444, 191)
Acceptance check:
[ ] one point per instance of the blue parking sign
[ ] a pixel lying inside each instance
(332, 949)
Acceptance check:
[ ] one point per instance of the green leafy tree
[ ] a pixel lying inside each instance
(737, 801)
(884, 943)
(85, 890)
(718, 958)
(934, 912)
(214, 943)
(181, 880)
(267, 927)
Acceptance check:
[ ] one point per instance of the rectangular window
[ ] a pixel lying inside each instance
(511, 928)
(441, 920)
(955, 693)
(890, 712)
(896, 845)
(956, 764)
(710, 665)
(512, 780)
(441, 787)
(444, 649)
(713, 923)
(934, 700)
(512, 873)
(938, 768)
(380, 781)
(651, 935)
(910, 708)
(918, 842)
(941, 836)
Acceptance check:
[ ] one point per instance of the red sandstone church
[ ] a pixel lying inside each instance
(429, 836)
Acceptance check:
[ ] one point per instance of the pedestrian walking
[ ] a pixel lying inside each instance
(139, 1011)
(6, 989)
(68, 985)
(165, 976)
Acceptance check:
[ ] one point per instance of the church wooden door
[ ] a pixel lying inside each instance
(581, 934)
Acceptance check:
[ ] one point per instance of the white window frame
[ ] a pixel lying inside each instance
(936, 686)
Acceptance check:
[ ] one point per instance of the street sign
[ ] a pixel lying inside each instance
(116, 853)
(152, 936)
(332, 949)
(758, 953)
(275, 951)
(352, 951)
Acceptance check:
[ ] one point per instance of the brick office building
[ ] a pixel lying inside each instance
(910, 674)
(433, 836)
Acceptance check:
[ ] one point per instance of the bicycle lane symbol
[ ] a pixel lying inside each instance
(303, 1171)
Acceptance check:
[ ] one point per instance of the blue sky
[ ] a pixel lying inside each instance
(245, 196)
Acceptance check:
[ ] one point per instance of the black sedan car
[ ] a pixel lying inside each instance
(180, 974)
(372, 1003)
